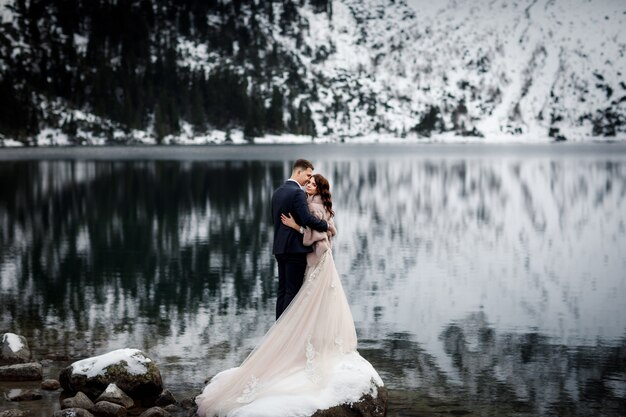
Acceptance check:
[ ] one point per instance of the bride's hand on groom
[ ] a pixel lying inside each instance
(289, 221)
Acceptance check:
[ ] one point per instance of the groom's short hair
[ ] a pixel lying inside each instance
(302, 164)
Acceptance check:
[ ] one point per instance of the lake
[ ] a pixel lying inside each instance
(484, 280)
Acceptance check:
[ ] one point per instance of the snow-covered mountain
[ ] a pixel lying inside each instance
(336, 70)
(482, 67)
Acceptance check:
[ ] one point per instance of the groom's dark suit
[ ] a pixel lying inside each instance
(288, 248)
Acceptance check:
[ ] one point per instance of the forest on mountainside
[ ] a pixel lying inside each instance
(120, 60)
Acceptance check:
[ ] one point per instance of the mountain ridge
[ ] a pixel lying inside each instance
(331, 70)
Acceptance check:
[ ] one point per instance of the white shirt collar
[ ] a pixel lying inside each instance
(291, 179)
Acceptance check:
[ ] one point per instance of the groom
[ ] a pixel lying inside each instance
(288, 248)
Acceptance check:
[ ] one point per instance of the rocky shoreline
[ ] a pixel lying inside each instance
(124, 382)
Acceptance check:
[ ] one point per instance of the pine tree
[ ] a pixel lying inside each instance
(274, 115)
(161, 128)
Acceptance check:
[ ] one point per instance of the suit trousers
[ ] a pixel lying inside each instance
(291, 268)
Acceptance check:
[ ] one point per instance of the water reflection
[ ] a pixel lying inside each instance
(497, 281)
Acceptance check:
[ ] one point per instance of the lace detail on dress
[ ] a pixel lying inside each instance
(250, 391)
(314, 273)
(311, 368)
(316, 270)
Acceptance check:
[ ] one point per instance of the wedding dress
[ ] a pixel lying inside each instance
(306, 361)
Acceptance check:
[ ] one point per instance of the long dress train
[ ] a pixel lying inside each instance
(305, 362)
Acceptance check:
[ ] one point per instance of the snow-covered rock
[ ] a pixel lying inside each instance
(115, 395)
(130, 369)
(367, 406)
(353, 380)
(14, 349)
(80, 400)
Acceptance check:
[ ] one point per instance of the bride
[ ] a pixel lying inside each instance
(308, 360)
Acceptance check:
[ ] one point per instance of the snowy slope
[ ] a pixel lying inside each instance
(499, 67)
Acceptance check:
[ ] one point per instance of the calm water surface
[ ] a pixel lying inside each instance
(484, 280)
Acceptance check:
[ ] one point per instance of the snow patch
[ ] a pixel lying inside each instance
(52, 137)
(6, 13)
(14, 342)
(81, 43)
(134, 358)
(10, 143)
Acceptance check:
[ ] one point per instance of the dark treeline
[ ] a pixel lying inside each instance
(121, 60)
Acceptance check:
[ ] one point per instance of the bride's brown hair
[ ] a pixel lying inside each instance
(323, 189)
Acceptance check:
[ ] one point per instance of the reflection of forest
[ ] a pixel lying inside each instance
(503, 374)
(137, 239)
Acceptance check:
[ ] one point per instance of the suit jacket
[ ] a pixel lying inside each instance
(290, 198)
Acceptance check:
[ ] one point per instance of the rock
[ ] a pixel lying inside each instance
(13, 413)
(80, 400)
(155, 412)
(21, 372)
(130, 369)
(23, 395)
(14, 349)
(165, 398)
(50, 384)
(115, 395)
(188, 403)
(367, 406)
(172, 408)
(108, 409)
(72, 412)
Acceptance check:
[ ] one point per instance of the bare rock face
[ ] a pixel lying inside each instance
(367, 406)
(130, 369)
(21, 372)
(115, 395)
(14, 349)
(165, 398)
(80, 400)
(107, 409)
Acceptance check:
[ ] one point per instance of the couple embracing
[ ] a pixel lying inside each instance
(308, 358)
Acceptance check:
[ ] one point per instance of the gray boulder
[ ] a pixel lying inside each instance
(50, 384)
(367, 406)
(107, 409)
(23, 395)
(72, 412)
(21, 372)
(115, 395)
(165, 398)
(130, 369)
(14, 349)
(155, 412)
(80, 400)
